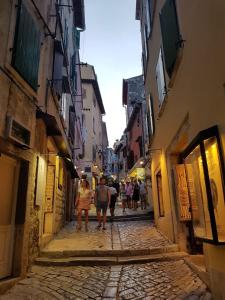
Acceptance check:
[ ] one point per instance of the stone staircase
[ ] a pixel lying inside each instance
(108, 257)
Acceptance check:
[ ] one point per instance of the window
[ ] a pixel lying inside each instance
(63, 106)
(150, 117)
(94, 152)
(65, 34)
(26, 50)
(148, 16)
(205, 178)
(73, 72)
(57, 68)
(72, 121)
(160, 78)
(171, 38)
(160, 194)
(84, 94)
(94, 100)
(94, 125)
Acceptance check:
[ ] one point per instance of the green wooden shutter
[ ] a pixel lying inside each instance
(26, 51)
(170, 34)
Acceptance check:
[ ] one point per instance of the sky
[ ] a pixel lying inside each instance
(112, 44)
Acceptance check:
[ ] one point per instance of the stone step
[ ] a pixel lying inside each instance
(109, 253)
(125, 218)
(108, 260)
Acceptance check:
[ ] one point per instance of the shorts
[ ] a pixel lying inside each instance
(102, 207)
(112, 201)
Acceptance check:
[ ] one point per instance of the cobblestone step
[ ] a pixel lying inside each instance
(109, 253)
(123, 218)
(108, 260)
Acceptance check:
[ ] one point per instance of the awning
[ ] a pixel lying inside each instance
(69, 165)
(52, 127)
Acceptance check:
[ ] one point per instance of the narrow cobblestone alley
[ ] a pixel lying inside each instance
(160, 278)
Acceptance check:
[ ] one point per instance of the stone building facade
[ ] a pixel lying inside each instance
(95, 133)
(183, 59)
(37, 125)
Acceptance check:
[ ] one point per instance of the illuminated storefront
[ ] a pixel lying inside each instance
(203, 163)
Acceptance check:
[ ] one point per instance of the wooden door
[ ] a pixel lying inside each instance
(9, 169)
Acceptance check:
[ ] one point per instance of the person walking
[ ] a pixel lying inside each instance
(136, 194)
(143, 194)
(102, 200)
(129, 193)
(113, 198)
(83, 202)
(123, 196)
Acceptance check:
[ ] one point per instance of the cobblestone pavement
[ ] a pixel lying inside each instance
(61, 283)
(161, 280)
(130, 233)
(121, 235)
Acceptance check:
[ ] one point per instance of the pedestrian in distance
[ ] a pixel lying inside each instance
(143, 194)
(113, 198)
(83, 202)
(102, 201)
(123, 196)
(129, 193)
(136, 194)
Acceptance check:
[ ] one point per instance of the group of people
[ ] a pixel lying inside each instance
(106, 196)
(132, 193)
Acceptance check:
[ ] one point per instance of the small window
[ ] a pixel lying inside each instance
(160, 194)
(94, 125)
(160, 78)
(94, 100)
(84, 94)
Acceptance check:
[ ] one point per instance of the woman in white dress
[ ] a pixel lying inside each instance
(83, 202)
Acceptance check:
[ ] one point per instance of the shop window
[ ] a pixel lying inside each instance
(205, 177)
(26, 49)
(171, 38)
(160, 78)
(159, 193)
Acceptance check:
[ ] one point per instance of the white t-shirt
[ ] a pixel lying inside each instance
(113, 191)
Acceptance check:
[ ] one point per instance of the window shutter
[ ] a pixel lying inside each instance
(77, 38)
(26, 51)
(170, 34)
(57, 68)
(72, 120)
(160, 78)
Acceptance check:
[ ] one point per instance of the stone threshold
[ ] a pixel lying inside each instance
(197, 264)
(109, 253)
(104, 261)
(7, 283)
